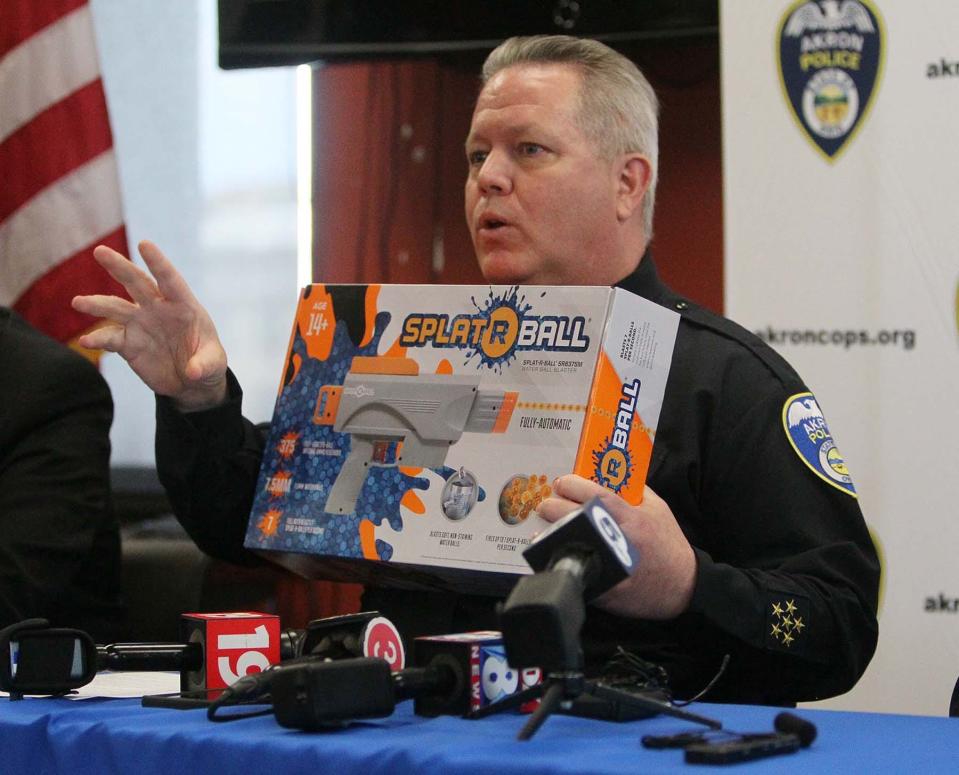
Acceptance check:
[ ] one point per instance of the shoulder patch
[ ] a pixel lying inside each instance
(809, 435)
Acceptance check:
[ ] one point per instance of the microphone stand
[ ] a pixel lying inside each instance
(541, 622)
(560, 688)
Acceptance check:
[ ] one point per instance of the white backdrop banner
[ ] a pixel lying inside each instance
(841, 175)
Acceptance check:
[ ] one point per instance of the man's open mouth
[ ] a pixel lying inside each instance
(492, 222)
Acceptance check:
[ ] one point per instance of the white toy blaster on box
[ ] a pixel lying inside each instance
(386, 400)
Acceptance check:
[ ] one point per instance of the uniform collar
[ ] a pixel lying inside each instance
(644, 281)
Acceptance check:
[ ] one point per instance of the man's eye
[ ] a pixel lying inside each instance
(530, 149)
(476, 157)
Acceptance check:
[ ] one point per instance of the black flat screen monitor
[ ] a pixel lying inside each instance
(266, 33)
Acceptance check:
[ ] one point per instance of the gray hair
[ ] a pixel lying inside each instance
(618, 109)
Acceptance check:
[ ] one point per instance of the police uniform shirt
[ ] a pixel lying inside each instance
(787, 577)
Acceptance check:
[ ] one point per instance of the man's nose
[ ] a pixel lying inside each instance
(494, 176)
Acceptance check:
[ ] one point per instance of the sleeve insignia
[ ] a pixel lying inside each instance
(809, 436)
(787, 619)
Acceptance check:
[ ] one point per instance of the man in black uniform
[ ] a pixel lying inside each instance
(59, 538)
(750, 534)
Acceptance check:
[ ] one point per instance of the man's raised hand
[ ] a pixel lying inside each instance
(164, 333)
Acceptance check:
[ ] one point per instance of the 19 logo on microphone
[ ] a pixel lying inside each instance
(234, 645)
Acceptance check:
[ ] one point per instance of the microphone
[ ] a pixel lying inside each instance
(365, 634)
(455, 674)
(150, 657)
(36, 658)
(232, 645)
(241, 644)
(219, 649)
(587, 544)
(790, 723)
(358, 639)
(576, 559)
(475, 670)
(313, 695)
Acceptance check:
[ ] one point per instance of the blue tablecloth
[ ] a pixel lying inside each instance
(103, 736)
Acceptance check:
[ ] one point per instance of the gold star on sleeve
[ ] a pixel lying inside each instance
(787, 619)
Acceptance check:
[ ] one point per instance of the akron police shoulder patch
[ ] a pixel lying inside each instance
(830, 59)
(809, 435)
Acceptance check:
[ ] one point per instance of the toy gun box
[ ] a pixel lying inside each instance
(417, 427)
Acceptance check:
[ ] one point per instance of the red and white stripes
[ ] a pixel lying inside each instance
(59, 189)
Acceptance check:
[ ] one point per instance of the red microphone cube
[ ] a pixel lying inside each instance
(234, 645)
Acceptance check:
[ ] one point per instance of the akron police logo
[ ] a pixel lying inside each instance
(830, 59)
(807, 432)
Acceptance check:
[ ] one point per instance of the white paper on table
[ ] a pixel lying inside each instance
(128, 684)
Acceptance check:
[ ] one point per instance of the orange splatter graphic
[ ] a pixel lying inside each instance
(279, 484)
(368, 540)
(372, 294)
(412, 501)
(396, 350)
(270, 522)
(316, 320)
(287, 445)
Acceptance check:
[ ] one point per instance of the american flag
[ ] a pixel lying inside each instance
(59, 189)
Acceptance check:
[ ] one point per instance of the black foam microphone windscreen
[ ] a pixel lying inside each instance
(312, 695)
(790, 723)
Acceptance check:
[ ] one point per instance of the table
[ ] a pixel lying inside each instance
(100, 736)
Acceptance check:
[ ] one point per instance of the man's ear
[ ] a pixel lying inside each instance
(635, 175)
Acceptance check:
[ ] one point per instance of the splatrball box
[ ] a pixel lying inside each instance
(417, 427)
